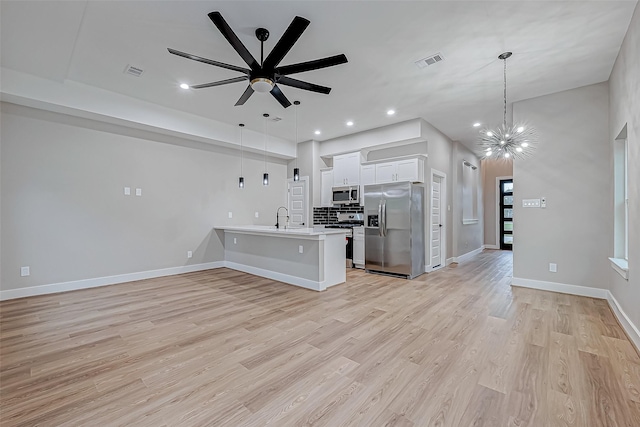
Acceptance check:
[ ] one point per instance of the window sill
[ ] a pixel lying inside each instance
(470, 221)
(621, 266)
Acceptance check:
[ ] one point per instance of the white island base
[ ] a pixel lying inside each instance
(306, 257)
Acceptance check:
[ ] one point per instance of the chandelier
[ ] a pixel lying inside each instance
(507, 141)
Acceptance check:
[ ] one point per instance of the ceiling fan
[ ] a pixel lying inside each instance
(266, 75)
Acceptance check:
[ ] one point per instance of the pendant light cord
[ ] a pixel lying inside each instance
(241, 153)
(505, 93)
(266, 137)
(296, 135)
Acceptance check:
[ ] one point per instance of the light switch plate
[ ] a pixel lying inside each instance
(189, 254)
(257, 215)
(24, 271)
(553, 267)
(301, 249)
(230, 214)
(138, 191)
(530, 203)
(127, 191)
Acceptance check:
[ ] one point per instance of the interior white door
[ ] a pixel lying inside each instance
(436, 222)
(297, 201)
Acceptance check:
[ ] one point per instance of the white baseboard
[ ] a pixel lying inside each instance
(468, 255)
(491, 246)
(562, 288)
(104, 281)
(584, 291)
(631, 329)
(281, 277)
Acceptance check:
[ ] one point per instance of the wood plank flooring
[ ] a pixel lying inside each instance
(457, 347)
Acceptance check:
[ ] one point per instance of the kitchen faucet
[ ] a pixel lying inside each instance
(278, 217)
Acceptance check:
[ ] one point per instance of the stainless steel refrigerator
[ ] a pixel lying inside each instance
(394, 229)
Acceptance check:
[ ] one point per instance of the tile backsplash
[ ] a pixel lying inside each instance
(329, 215)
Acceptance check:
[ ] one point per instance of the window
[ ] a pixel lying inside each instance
(469, 193)
(620, 260)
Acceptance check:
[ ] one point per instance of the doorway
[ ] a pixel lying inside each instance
(437, 221)
(297, 197)
(506, 214)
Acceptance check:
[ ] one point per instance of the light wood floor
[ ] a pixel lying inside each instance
(457, 347)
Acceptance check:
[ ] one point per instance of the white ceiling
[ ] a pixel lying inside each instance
(557, 46)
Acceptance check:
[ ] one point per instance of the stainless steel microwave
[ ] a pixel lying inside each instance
(346, 195)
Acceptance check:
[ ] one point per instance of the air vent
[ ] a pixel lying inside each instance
(430, 60)
(134, 71)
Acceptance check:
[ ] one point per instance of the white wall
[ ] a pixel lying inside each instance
(571, 168)
(491, 169)
(64, 213)
(624, 108)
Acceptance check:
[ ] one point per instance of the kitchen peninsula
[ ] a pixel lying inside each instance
(313, 258)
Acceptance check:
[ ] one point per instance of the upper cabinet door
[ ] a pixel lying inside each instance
(411, 170)
(346, 169)
(385, 172)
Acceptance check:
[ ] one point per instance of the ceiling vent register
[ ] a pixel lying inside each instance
(134, 71)
(430, 60)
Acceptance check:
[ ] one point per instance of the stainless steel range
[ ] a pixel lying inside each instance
(348, 221)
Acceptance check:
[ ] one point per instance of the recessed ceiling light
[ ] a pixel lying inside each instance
(349, 123)
(317, 132)
(391, 112)
(475, 125)
(184, 86)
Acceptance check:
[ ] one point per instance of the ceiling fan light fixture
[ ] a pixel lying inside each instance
(262, 85)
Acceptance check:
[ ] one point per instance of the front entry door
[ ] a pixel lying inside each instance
(506, 214)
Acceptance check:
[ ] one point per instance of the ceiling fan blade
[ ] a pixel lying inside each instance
(235, 42)
(288, 81)
(208, 61)
(277, 94)
(312, 65)
(220, 83)
(286, 42)
(247, 93)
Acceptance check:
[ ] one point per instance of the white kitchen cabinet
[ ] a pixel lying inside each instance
(411, 170)
(346, 169)
(326, 182)
(358, 247)
(367, 176)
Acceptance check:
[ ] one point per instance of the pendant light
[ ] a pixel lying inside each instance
(507, 141)
(241, 178)
(296, 171)
(265, 175)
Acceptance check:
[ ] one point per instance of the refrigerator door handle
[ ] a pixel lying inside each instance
(380, 219)
(384, 218)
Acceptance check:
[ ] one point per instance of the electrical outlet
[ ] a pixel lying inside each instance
(230, 214)
(127, 191)
(553, 267)
(24, 271)
(257, 214)
(235, 241)
(301, 249)
(138, 191)
(189, 254)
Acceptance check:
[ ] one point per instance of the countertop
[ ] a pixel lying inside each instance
(292, 232)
